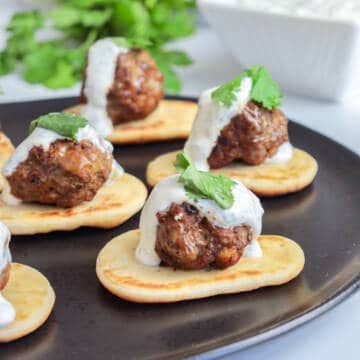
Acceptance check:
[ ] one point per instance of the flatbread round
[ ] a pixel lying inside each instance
(118, 200)
(6, 149)
(33, 299)
(263, 180)
(124, 276)
(171, 120)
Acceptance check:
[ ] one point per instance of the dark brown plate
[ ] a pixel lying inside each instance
(90, 323)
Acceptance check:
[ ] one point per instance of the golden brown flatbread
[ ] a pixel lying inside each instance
(6, 149)
(124, 276)
(33, 299)
(118, 200)
(171, 120)
(263, 180)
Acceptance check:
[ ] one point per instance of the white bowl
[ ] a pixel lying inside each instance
(307, 56)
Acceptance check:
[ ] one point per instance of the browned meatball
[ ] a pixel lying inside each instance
(186, 240)
(4, 276)
(66, 175)
(137, 88)
(252, 136)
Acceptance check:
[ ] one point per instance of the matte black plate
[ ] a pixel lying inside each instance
(90, 323)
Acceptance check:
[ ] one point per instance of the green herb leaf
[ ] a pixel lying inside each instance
(62, 77)
(178, 58)
(264, 90)
(131, 43)
(130, 18)
(148, 24)
(18, 45)
(7, 62)
(166, 60)
(95, 18)
(39, 65)
(66, 125)
(25, 22)
(225, 94)
(204, 185)
(86, 4)
(65, 16)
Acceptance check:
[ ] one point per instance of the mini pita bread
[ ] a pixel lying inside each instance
(118, 200)
(263, 180)
(33, 299)
(124, 276)
(6, 150)
(171, 120)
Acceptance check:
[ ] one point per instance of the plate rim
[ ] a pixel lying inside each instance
(226, 346)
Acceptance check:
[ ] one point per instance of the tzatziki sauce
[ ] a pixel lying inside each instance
(100, 74)
(211, 118)
(246, 210)
(283, 154)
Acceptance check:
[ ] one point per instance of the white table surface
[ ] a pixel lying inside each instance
(334, 335)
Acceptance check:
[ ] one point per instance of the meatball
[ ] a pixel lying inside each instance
(251, 136)
(137, 88)
(65, 175)
(188, 241)
(4, 276)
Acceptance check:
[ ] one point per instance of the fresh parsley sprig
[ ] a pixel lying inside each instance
(264, 89)
(204, 185)
(66, 125)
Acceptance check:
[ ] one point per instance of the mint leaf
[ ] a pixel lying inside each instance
(204, 185)
(264, 89)
(66, 125)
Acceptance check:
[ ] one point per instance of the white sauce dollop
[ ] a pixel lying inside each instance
(246, 210)
(210, 120)
(7, 311)
(100, 73)
(44, 138)
(283, 154)
(338, 9)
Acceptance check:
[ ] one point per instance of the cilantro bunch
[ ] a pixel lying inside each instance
(204, 185)
(59, 62)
